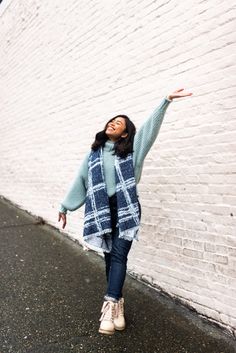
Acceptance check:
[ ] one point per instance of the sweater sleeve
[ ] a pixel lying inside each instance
(148, 132)
(76, 195)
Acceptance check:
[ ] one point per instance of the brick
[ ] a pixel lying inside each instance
(232, 251)
(196, 245)
(210, 247)
(193, 253)
(216, 258)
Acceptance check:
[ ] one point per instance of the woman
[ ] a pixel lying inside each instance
(106, 183)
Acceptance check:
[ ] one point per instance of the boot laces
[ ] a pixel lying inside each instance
(108, 311)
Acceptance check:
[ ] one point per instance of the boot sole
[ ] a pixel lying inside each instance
(106, 332)
(119, 328)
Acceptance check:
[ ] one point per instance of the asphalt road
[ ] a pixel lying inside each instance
(51, 295)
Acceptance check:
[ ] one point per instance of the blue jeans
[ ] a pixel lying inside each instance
(116, 260)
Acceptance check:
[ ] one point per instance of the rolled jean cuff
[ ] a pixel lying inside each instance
(110, 299)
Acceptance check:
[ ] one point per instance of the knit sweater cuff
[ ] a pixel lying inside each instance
(169, 100)
(63, 209)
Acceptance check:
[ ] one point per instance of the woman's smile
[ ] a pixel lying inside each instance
(111, 128)
(116, 128)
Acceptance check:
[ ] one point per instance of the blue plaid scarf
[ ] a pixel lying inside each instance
(97, 220)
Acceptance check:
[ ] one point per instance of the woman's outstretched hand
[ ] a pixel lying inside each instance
(178, 94)
(62, 216)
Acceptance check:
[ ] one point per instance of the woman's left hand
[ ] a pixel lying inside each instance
(178, 94)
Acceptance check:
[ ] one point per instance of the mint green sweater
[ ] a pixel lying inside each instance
(143, 141)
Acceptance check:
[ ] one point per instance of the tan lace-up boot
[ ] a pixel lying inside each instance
(119, 320)
(107, 318)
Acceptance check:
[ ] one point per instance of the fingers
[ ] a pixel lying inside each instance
(180, 94)
(64, 221)
(187, 94)
(62, 217)
(178, 90)
(182, 89)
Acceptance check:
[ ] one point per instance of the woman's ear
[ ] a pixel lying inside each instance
(124, 135)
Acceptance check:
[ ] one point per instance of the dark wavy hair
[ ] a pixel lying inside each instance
(124, 145)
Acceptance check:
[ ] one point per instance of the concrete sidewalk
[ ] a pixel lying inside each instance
(51, 295)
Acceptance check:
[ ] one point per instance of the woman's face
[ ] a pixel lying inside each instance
(116, 129)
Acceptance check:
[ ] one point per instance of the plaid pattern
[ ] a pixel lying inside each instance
(97, 220)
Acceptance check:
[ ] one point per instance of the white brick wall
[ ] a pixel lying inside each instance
(69, 66)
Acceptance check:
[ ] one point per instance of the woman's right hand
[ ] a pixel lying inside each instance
(62, 216)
